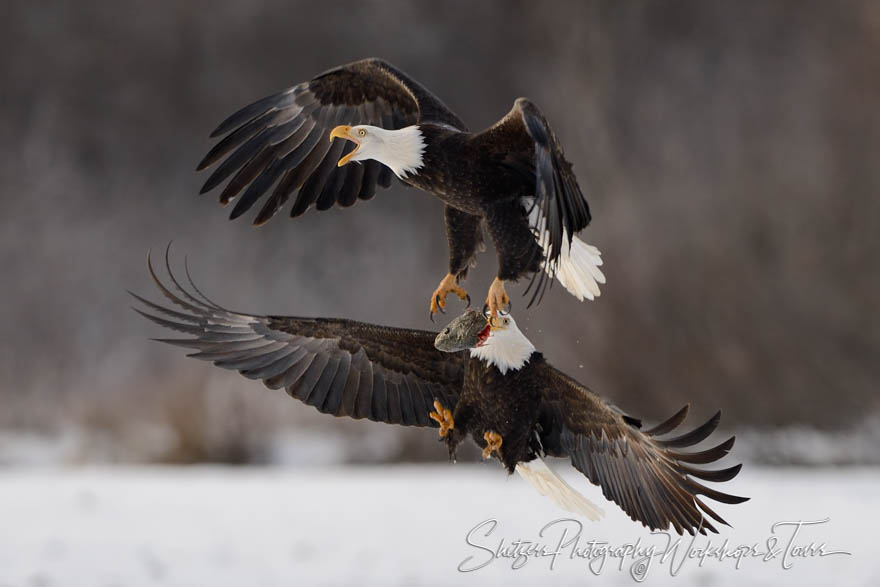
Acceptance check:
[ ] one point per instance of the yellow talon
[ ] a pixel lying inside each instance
(497, 298)
(448, 285)
(493, 444)
(443, 417)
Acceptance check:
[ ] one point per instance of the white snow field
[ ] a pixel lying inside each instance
(402, 525)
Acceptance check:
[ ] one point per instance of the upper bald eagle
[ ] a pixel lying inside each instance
(513, 175)
(501, 392)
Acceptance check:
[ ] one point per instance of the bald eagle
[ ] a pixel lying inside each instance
(513, 176)
(477, 377)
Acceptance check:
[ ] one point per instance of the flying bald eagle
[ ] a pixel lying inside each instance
(513, 176)
(500, 391)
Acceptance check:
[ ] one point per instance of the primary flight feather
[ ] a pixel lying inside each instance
(511, 177)
(477, 378)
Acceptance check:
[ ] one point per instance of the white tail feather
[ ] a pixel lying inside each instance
(577, 267)
(551, 485)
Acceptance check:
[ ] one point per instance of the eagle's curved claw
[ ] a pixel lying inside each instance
(448, 285)
(443, 416)
(468, 298)
(493, 444)
(497, 298)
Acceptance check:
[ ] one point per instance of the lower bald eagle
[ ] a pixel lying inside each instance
(512, 176)
(500, 391)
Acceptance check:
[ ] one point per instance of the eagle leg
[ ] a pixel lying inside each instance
(493, 444)
(497, 298)
(448, 285)
(443, 417)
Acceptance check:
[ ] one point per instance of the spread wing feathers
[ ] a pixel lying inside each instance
(558, 209)
(648, 477)
(340, 367)
(282, 140)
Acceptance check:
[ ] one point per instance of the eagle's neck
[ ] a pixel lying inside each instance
(401, 150)
(507, 349)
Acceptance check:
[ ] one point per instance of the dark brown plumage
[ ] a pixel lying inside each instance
(279, 145)
(394, 375)
(341, 367)
(283, 138)
(539, 410)
(647, 476)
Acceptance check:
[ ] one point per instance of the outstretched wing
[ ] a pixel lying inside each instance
(340, 367)
(558, 209)
(646, 476)
(282, 140)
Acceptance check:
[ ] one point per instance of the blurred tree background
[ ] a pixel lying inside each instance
(729, 151)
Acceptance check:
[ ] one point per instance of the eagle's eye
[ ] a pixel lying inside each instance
(362, 132)
(506, 321)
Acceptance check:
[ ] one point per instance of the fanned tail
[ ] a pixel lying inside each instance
(578, 270)
(551, 485)
(576, 267)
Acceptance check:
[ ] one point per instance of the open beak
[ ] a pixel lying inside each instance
(344, 132)
(483, 336)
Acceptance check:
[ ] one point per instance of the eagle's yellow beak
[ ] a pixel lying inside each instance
(344, 132)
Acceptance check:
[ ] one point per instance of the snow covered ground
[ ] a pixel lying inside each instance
(403, 525)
